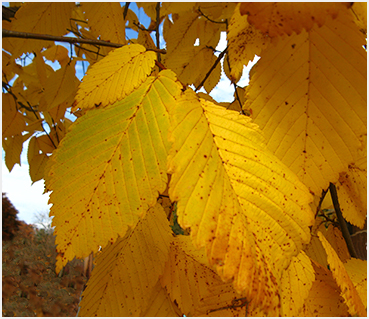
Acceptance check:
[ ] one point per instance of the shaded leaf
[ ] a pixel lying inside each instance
(42, 18)
(106, 20)
(244, 42)
(357, 270)
(13, 148)
(110, 168)
(275, 19)
(127, 271)
(115, 76)
(348, 291)
(324, 299)
(308, 94)
(13, 122)
(296, 283)
(36, 160)
(352, 192)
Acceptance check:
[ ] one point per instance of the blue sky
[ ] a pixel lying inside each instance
(29, 199)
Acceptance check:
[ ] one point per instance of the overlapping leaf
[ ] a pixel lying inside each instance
(357, 270)
(352, 193)
(296, 283)
(106, 20)
(42, 18)
(12, 120)
(274, 18)
(244, 42)
(197, 289)
(229, 189)
(127, 271)
(324, 299)
(115, 76)
(348, 291)
(110, 167)
(308, 94)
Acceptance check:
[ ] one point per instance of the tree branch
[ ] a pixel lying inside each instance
(211, 69)
(157, 29)
(48, 37)
(342, 222)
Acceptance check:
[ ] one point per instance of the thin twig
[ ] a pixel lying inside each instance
(211, 69)
(206, 17)
(48, 37)
(157, 29)
(342, 222)
(125, 10)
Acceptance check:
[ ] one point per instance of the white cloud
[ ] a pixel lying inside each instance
(28, 199)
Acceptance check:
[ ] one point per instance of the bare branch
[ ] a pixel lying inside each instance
(48, 37)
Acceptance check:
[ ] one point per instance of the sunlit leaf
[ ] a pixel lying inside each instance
(110, 168)
(274, 18)
(115, 76)
(127, 271)
(229, 189)
(316, 132)
(348, 291)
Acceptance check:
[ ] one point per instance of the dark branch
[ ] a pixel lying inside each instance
(157, 29)
(211, 69)
(125, 10)
(48, 37)
(342, 222)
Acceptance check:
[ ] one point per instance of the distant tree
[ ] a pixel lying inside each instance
(10, 220)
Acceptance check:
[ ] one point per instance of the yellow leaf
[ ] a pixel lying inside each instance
(359, 11)
(57, 53)
(230, 189)
(276, 19)
(61, 86)
(296, 283)
(110, 167)
(13, 148)
(127, 271)
(357, 270)
(244, 42)
(308, 94)
(43, 18)
(348, 291)
(176, 7)
(144, 38)
(115, 76)
(352, 193)
(324, 299)
(36, 160)
(196, 288)
(13, 122)
(106, 20)
(160, 304)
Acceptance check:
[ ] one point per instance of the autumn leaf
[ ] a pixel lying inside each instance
(114, 77)
(317, 133)
(348, 291)
(12, 120)
(275, 19)
(324, 299)
(43, 18)
(127, 271)
(222, 178)
(106, 20)
(357, 270)
(110, 185)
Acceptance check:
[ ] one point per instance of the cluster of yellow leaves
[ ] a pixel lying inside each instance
(246, 187)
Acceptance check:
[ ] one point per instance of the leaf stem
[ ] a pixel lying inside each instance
(157, 30)
(342, 222)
